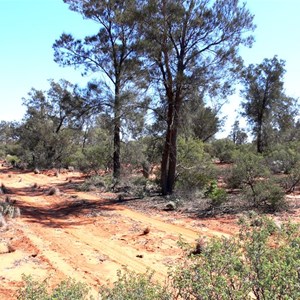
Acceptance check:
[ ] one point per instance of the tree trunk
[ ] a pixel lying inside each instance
(117, 133)
(169, 157)
(165, 187)
(259, 141)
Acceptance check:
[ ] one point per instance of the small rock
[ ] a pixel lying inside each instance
(36, 171)
(53, 191)
(171, 205)
(146, 230)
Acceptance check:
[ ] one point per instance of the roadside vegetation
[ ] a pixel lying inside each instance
(261, 262)
(147, 127)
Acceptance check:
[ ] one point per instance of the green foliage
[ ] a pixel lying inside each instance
(133, 286)
(266, 194)
(213, 274)
(261, 263)
(224, 150)
(12, 159)
(134, 154)
(248, 167)
(92, 159)
(200, 121)
(238, 135)
(70, 289)
(194, 168)
(272, 254)
(67, 289)
(51, 127)
(96, 151)
(283, 157)
(252, 175)
(269, 111)
(216, 194)
(33, 290)
(290, 181)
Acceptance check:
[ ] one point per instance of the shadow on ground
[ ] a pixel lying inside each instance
(64, 210)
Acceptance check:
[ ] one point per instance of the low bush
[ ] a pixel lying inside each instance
(67, 289)
(250, 174)
(283, 158)
(248, 167)
(133, 286)
(216, 194)
(291, 180)
(261, 263)
(9, 210)
(12, 159)
(266, 195)
(223, 149)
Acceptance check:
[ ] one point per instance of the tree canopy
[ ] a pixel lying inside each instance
(191, 45)
(266, 106)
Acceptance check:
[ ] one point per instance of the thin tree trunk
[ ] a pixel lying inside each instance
(259, 142)
(117, 133)
(165, 165)
(166, 153)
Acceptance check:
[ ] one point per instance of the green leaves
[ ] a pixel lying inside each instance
(67, 289)
(262, 263)
(133, 286)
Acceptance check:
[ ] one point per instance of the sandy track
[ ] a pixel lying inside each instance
(86, 236)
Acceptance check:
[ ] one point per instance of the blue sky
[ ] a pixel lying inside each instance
(30, 27)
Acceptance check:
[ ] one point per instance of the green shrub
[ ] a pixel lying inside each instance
(291, 180)
(133, 286)
(223, 149)
(33, 290)
(92, 159)
(195, 169)
(12, 159)
(272, 255)
(216, 194)
(212, 274)
(261, 263)
(283, 158)
(67, 289)
(252, 175)
(248, 167)
(266, 194)
(70, 289)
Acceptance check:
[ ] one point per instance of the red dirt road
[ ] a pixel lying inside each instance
(87, 236)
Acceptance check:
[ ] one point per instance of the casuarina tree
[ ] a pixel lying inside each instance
(188, 45)
(111, 52)
(266, 106)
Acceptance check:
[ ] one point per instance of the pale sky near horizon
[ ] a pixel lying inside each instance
(30, 27)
